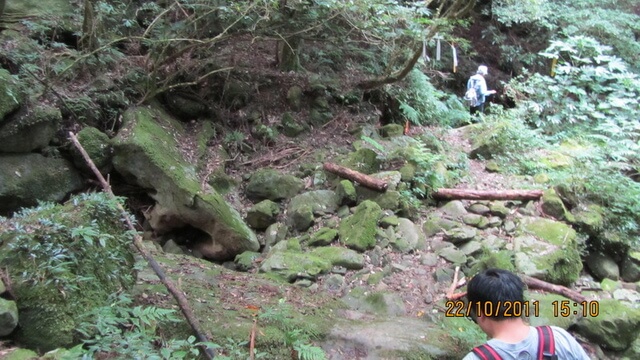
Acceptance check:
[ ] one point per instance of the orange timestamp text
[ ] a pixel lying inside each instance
(461, 308)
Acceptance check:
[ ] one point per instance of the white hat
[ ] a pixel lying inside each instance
(482, 69)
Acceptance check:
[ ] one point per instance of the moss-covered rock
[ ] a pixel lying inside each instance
(302, 208)
(408, 172)
(542, 313)
(30, 130)
(346, 193)
(270, 184)
(502, 259)
(553, 205)
(10, 95)
(83, 246)
(363, 160)
(436, 224)
(21, 354)
(262, 214)
(615, 328)
(603, 266)
(391, 130)
(630, 267)
(323, 237)
(97, 145)
(146, 153)
(8, 316)
(290, 127)
(548, 250)
(589, 219)
(246, 261)
(274, 234)
(409, 236)
(26, 179)
(291, 265)
(339, 256)
(358, 231)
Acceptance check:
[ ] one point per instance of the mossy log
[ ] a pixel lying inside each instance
(468, 194)
(362, 179)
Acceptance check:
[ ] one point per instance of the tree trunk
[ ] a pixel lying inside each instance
(288, 56)
(2, 2)
(534, 283)
(362, 179)
(467, 194)
(88, 41)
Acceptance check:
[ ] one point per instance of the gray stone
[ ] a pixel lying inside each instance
(473, 247)
(26, 179)
(339, 256)
(301, 218)
(274, 234)
(172, 248)
(509, 226)
(498, 208)
(630, 296)
(346, 193)
(453, 255)
(246, 260)
(453, 209)
(480, 209)
(429, 259)
(602, 266)
(388, 221)
(552, 205)
(444, 275)
(358, 231)
(270, 184)
(410, 236)
(435, 224)
(319, 201)
(333, 283)
(391, 130)
(343, 211)
(630, 267)
(262, 214)
(8, 316)
(292, 265)
(460, 234)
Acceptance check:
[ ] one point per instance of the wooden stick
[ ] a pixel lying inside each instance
(137, 242)
(252, 338)
(454, 283)
(468, 194)
(534, 283)
(362, 179)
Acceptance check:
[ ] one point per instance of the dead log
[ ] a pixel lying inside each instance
(360, 178)
(178, 295)
(534, 283)
(468, 194)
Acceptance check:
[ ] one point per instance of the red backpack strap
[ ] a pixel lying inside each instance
(546, 343)
(486, 352)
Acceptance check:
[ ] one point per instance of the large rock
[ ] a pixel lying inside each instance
(603, 266)
(287, 262)
(548, 250)
(262, 214)
(630, 267)
(410, 236)
(358, 231)
(26, 179)
(615, 328)
(83, 246)
(303, 208)
(273, 185)
(98, 147)
(553, 205)
(146, 153)
(339, 256)
(29, 130)
(10, 97)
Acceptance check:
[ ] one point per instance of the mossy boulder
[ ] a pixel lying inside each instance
(270, 184)
(611, 242)
(291, 265)
(346, 193)
(290, 127)
(323, 237)
(30, 130)
(553, 205)
(246, 261)
(630, 267)
(8, 316)
(603, 266)
(548, 250)
(274, 234)
(26, 179)
(358, 231)
(363, 160)
(98, 146)
(589, 218)
(490, 258)
(615, 328)
(21, 354)
(435, 224)
(85, 245)
(339, 256)
(10, 95)
(262, 214)
(388, 200)
(147, 154)
(302, 208)
(391, 130)
(409, 236)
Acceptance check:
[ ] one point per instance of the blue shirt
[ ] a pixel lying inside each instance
(482, 85)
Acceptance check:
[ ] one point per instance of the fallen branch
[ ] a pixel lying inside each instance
(360, 178)
(137, 242)
(468, 194)
(534, 283)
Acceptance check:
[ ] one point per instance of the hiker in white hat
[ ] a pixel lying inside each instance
(477, 90)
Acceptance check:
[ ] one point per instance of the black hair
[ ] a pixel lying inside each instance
(496, 290)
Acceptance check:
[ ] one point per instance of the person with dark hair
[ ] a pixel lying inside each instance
(479, 86)
(492, 295)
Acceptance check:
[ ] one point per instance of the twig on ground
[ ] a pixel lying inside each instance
(137, 242)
